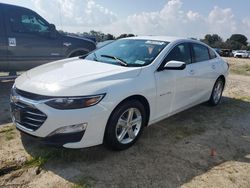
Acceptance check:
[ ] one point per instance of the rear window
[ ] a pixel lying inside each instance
(27, 22)
(200, 53)
(212, 54)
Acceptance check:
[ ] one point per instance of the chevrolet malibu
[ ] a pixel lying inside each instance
(110, 95)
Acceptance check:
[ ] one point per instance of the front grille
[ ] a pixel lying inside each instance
(24, 114)
(30, 117)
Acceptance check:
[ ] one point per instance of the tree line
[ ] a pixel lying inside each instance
(235, 42)
(98, 35)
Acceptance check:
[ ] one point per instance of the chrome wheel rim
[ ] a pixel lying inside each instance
(128, 125)
(218, 91)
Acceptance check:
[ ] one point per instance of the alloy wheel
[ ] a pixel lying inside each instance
(128, 125)
(218, 89)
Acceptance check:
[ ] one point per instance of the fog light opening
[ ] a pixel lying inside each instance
(70, 129)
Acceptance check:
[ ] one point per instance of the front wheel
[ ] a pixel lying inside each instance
(217, 92)
(125, 125)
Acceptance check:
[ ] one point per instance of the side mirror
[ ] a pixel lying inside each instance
(52, 27)
(53, 31)
(174, 65)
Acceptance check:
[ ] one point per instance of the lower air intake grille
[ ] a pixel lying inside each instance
(27, 116)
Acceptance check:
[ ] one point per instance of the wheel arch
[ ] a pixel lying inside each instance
(109, 141)
(223, 78)
(141, 99)
(77, 50)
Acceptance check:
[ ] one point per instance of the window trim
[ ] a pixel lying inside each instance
(211, 50)
(21, 12)
(163, 63)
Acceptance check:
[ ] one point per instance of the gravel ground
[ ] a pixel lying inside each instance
(200, 147)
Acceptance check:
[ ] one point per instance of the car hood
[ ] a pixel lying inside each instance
(77, 39)
(74, 77)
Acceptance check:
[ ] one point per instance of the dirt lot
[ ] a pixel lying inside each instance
(201, 147)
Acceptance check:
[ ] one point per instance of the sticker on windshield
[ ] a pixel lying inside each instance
(139, 62)
(154, 42)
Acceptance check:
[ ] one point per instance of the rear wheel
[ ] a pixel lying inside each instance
(217, 92)
(125, 125)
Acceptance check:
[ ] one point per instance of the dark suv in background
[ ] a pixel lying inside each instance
(27, 40)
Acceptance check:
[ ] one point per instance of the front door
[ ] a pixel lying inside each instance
(3, 45)
(176, 88)
(30, 42)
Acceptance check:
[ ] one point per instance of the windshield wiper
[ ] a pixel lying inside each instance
(122, 62)
(95, 57)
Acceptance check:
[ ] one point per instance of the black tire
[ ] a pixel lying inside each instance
(110, 138)
(212, 101)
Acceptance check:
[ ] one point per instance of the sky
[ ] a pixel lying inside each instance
(183, 18)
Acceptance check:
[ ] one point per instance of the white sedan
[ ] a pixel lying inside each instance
(241, 54)
(111, 94)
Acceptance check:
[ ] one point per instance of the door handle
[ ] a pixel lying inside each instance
(67, 44)
(192, 72)
(213, 67)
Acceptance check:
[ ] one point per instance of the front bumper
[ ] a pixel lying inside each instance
(95, 117)
(57, 139)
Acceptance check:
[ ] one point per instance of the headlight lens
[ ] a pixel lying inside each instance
(68, 103)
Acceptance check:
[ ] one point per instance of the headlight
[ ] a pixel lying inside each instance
(68, 103)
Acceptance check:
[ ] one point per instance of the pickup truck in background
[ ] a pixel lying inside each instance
(27, 40)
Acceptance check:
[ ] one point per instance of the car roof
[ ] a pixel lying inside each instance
(169, 39)
(159, 38)
(5, 5)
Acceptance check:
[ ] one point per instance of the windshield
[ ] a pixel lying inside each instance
(128, 52)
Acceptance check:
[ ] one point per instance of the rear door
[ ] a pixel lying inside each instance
(206, 67)
(3, 43)
(29, 39)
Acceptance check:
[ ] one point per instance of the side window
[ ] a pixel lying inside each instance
(200, 52)
(26, 22)
(212, 54)
(180, 52)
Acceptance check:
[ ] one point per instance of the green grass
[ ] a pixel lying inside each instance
(43, 154)
(8, 132)
(86, 182)
(35, 162)
(7, 129)
(241, 69)
(9, 136)
(244, 98)
(57, 153)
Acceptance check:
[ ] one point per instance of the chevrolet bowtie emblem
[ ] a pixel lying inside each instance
(15, 98)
